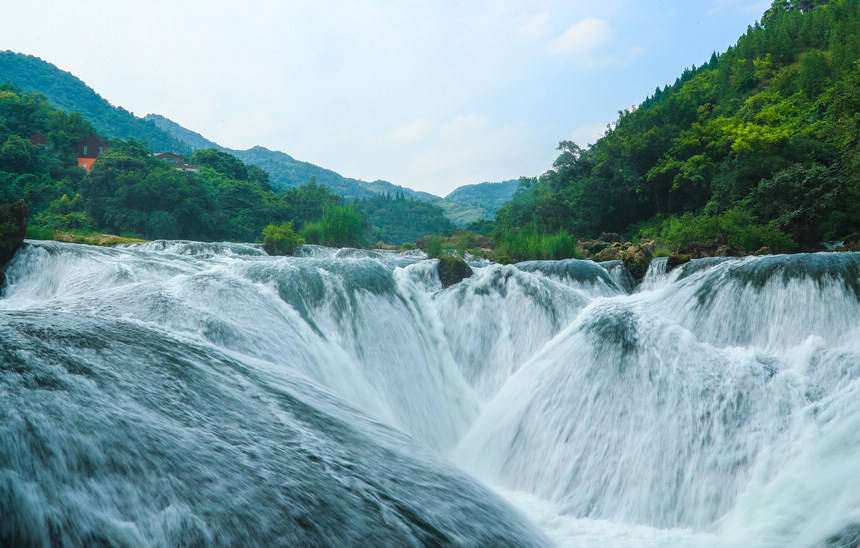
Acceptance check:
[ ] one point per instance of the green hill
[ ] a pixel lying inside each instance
(67, 92)
(488, 197)
(287, 172)
(759, 146)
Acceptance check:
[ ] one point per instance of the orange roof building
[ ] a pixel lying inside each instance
(89, 149)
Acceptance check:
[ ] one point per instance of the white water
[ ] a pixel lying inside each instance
(719, 405)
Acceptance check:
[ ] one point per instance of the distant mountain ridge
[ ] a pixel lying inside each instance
(488, 196)
(70, 93)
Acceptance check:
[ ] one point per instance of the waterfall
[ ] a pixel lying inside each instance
(204, 393)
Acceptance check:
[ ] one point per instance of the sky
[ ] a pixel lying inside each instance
(428, 95)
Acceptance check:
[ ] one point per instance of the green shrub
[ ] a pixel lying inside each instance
(313, 233)
(434, 246)
(738, 226)
(281, 240)
(39, 233)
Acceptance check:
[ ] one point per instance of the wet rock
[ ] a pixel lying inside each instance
(610, 237)
(763, 251)
(637, 258)
(850, 242)
(612, 253)
(726, 250)
(452, 270)
(716, 247)
(592, 247)
(13, 228)
(676, 260)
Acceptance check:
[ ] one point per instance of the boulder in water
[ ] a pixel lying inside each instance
(13, 227)
(637, 258)
(452, 270)
(612, 253)
(850, 242)
(676, 259)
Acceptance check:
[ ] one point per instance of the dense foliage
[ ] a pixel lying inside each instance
(762, 139)
(67, 92)
(396, 219)
(281, 239)
(129, 191)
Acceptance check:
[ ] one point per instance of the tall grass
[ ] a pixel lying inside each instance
(528, 244)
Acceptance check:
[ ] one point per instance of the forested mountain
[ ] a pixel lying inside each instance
(67, 92)
(397, 219)
(487, 196)
(287, 172)
(759, 144)
(284, 170)
(131, 192)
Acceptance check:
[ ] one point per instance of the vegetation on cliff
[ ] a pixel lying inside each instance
(759, 145)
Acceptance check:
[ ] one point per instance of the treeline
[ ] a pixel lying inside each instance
(759, 145)
(132, 193)
(396, 219)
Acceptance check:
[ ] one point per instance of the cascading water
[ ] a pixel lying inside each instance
(176, 393)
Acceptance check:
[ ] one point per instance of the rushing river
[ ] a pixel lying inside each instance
(181, 393)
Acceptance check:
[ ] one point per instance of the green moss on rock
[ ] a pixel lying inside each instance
(13, 228)
(452, 270)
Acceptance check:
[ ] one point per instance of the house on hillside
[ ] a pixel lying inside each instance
(89, 149)
(176, 160)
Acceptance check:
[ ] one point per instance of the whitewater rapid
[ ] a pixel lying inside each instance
(174, 393)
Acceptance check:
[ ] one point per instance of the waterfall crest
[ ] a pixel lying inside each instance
(183, 392)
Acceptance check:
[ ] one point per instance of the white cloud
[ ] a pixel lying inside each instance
(408, 133)
(582, 37)
(532, 26)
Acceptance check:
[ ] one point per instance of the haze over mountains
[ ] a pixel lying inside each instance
(66, 91)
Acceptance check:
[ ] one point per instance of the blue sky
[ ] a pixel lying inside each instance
(430, 95)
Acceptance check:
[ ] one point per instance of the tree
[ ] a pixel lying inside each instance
(16, 155)
(343, 226)
(222, 163)
(281, 239)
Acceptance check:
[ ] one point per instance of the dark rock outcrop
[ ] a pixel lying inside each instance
(611, 253)
(610, 237)
(13, 228)
(452, 270)
(676, 260)
(637, 258)
(592, 247)
(850, 242)
(717, 247)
